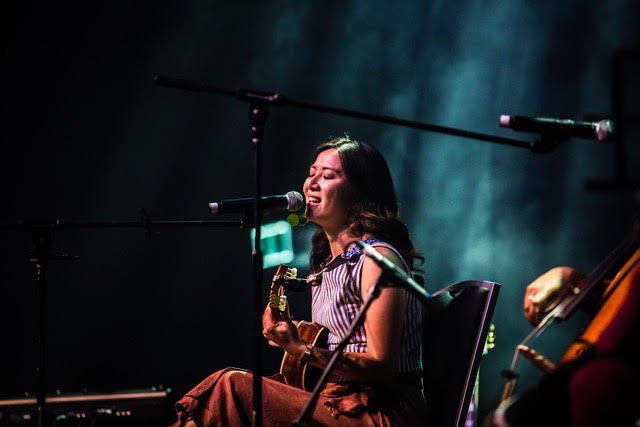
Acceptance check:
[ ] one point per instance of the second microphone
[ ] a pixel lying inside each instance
(292, 201)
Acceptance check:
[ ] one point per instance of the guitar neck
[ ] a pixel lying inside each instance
(274, 298)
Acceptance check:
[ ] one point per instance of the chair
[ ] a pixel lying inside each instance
(455, 326)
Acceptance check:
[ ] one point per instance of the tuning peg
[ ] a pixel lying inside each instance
(282, 306)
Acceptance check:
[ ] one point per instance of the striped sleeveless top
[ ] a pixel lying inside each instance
(336, 301)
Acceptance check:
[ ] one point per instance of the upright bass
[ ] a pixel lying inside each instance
(611, 295)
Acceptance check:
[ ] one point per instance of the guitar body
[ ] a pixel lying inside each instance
(304, 377)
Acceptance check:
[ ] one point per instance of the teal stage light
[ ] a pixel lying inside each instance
(276, 242)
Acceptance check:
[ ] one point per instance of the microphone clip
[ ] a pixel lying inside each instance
(548, 142)
(295, 285)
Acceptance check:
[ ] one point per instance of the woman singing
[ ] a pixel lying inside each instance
(349, 195)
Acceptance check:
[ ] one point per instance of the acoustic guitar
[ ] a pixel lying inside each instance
(306, 376)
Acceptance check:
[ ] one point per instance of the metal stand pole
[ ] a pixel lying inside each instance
(258, 113)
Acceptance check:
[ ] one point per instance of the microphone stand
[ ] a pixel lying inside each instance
(42, 236)
(386, 279)
(258, 113)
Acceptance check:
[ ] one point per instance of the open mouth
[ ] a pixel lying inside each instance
(313, 200)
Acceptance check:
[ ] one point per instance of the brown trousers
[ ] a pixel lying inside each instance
(225, 399)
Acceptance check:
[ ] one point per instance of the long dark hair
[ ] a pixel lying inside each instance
(375, 207)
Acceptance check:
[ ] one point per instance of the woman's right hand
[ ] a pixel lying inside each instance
(280, 330)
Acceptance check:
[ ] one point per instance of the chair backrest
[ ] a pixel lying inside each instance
(455, 327)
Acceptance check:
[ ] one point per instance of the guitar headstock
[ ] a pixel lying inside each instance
(277, 299)
(284, 272)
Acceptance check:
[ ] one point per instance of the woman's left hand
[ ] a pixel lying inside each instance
(554, 284)
(279, 329)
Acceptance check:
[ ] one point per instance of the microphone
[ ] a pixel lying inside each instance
(557, 127)
(396, 274)
(292, 201)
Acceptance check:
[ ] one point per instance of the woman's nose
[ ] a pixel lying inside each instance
(312, 182)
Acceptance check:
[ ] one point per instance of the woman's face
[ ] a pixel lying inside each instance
(327, 192)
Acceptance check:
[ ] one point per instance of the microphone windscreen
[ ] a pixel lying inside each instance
(295, 201)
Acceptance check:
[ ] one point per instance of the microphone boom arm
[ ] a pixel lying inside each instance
(278, 100)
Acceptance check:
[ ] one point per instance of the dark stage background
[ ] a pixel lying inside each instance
(88, 137)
